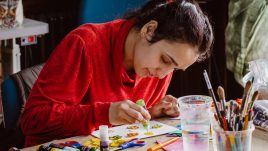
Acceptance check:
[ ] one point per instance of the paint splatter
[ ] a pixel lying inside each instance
(155, 126)
(116, 137)
(133, 127)
(117, 143)
(148, 133)
(94, 142)
(132, 134)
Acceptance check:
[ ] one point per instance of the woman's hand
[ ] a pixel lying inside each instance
(167, 106)
(127, 112)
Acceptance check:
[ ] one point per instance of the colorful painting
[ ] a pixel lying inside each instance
(127, 132)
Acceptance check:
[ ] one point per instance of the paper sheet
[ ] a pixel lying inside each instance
(138, 129)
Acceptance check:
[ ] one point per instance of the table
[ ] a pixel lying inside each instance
(260, 139)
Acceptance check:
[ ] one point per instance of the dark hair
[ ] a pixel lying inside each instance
(178, 20)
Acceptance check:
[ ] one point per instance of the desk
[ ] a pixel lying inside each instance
(260, 139)
(28, 28)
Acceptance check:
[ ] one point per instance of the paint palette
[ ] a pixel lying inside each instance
(127, 132)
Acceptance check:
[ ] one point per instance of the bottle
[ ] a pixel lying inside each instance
(104, 138)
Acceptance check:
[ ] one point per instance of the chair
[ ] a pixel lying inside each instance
(15, 91)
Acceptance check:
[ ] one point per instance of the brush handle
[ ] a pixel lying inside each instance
(213, 97)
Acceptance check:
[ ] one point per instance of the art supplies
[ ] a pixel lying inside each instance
(48, 148)
(104, 138)
(163, 144)
(232, 126)
(175, 146)
(221, 94)
(232, 140)
(211, 92)
(58, 146)
(132, 143)
(145, 123)
(127, 132)
(238, 116)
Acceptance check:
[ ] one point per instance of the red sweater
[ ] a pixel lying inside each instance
(83, 75)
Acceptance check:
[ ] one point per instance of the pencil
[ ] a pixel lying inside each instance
(163, 144)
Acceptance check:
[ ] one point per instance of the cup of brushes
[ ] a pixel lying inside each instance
(232, 125)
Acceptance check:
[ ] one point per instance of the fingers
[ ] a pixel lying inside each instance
(164, 105)
(145, 115)
(126, 119)
(170, 98)
(172, 109)
(127, 112)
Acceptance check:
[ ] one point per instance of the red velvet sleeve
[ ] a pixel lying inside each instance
(54, 107)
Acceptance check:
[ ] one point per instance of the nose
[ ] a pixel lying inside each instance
(162, 72)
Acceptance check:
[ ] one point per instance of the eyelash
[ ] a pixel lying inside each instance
(165, 61)
(168, 63)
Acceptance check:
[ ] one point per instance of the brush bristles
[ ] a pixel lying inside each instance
(255, 96)
(247, 88)
(221, 93)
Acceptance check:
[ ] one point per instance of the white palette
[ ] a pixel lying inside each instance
(123, 130)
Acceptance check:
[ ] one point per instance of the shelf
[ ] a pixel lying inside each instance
(28, 28)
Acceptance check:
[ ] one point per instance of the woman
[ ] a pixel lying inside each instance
(98, 71)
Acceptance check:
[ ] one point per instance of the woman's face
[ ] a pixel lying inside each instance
(162, 57)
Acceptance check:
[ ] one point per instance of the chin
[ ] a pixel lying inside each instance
(142, 75)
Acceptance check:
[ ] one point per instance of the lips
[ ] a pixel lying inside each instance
(149, 74)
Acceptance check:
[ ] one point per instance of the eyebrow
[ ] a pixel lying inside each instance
(173, 61)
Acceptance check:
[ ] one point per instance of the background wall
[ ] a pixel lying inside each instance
(65, 15)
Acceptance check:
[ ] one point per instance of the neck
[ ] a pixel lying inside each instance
(129, 49)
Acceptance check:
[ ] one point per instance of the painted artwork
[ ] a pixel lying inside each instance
(127, 132)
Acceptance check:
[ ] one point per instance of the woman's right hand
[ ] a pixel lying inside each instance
(127, 112)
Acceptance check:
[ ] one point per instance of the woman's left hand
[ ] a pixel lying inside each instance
(167, 106)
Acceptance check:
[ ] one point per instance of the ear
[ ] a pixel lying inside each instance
(147, 30)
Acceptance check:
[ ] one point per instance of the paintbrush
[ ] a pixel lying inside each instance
(254, 97)
(245, 97)
(221, 95)
(213, 97)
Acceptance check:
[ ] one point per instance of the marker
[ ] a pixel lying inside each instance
(163, 144)
(63, 147)
(77, 145)
(132, 143)
(48, 148)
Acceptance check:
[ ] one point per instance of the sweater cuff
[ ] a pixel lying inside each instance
(101, 114)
